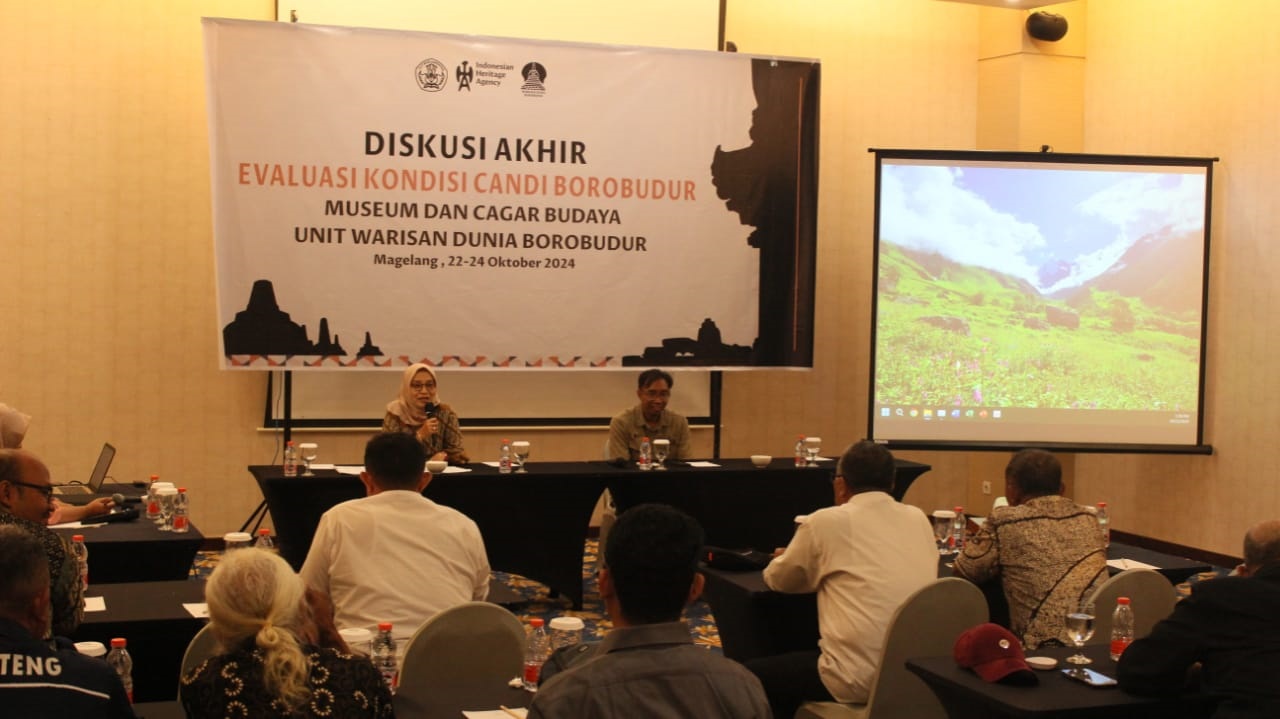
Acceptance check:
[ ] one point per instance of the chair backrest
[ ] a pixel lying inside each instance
(926, 624)
(202, 646)
(1150, 594)
(459, 659)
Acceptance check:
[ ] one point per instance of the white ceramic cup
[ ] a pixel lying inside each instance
(237, 540)
(761, 460)
(566, 631)
(91, 649)
(358, 639)
(437, 466)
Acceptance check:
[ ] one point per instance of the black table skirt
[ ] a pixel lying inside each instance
(137, 551)
(535, 524)
(755, 621)
(151, 617)
(966, 696)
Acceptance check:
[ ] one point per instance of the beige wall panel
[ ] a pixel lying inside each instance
(899, 74)
(109, 329)
(1000, 102)
(1196, 78)
(1052, 98)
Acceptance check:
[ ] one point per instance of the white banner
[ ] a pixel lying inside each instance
(388, 197)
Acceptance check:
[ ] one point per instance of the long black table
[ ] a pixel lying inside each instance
(151, 617)
(967, 696)
(137, 551)
(755, 621)
(535, 524)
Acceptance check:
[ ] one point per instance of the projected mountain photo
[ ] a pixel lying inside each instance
(1009, 286)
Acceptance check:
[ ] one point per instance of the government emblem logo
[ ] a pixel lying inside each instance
(431, 75)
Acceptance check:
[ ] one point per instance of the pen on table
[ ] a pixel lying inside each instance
(505, 709)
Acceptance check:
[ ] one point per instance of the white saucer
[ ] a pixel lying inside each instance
(1042, 663)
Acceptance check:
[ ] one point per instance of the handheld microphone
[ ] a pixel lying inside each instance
(430, 409)
(115, 515)
(120, 499)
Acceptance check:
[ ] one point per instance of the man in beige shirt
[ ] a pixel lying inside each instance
(651, 419)
(1047, 550)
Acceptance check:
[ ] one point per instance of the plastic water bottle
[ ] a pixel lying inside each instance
(957, 531)
(535, 654)
(1104, 523)
(264, 540)
(82, 558)
(1121, 628)
(504, 459)
(290, 459)
(645, 461)
(384, 655)
(153, 502)
(118, 659)
(182, 511)
(801, 461)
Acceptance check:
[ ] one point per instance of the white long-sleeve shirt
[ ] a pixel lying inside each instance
(396, 557)
(863, 558)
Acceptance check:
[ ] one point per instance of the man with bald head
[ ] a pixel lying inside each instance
(1229, 628)
(26, 500)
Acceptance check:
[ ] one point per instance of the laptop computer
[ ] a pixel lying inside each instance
(84, 493)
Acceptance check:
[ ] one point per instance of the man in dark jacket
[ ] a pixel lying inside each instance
(45, 678)
(1229, 628)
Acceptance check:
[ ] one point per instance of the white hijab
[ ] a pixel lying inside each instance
(13, 427)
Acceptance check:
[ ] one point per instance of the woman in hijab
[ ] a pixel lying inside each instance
(13, 429)
(417, 411)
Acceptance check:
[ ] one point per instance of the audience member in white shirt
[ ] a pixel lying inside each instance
(395, 556)
(863, 557)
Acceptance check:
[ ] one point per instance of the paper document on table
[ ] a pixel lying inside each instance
(199, 610)
(455, 470)
(702, 463)
(1123, 564)
(320, 465)
(492, 464)
(76, 525)
(95, 604)
(355, 469)
(496, 713)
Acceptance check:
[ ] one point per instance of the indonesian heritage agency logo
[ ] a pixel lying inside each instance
(464, 75)
(431, 75)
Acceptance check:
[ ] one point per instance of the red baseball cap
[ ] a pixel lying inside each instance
(994, 654)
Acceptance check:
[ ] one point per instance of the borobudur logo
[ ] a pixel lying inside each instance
(534, 75)
(431, 75)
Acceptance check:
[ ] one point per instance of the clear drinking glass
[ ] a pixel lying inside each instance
(812, 446)
(1080, 629)
(308, 450)
(942, 519)
(167, 497)
(661, 448)
(520, 449)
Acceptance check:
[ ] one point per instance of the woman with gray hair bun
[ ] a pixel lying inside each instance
(270, 665)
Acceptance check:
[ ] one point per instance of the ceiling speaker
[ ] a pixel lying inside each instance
(1046, 26)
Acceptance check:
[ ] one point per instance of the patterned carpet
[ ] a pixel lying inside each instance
(539, 604)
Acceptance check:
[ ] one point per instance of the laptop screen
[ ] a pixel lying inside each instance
(99, 475)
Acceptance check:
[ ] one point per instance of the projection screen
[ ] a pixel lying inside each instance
(1040, 299)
